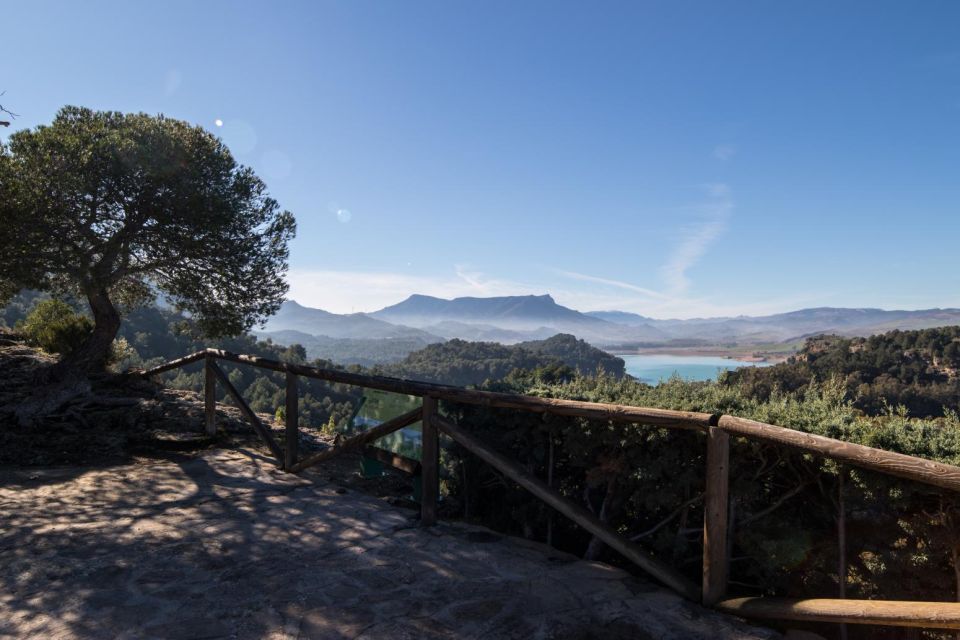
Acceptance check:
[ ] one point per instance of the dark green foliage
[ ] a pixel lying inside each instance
(113, 207)
(465, 363)
(578, 354)
(919, 370)
(55, 327)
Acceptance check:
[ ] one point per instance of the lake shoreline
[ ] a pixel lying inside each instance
(741, 354)
(652, 368)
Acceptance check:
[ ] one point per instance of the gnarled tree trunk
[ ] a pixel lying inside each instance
(92, 355)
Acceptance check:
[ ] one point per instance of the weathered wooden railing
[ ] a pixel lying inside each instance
(717, 428)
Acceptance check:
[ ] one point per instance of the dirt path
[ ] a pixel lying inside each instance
(223, 545)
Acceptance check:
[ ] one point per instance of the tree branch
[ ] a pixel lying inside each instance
(665, 521)
(3, 109)
(776, 505)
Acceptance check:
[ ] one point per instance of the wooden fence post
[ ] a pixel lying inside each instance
(292, 423)
(715, 517)
(430, 460)
(209, 396)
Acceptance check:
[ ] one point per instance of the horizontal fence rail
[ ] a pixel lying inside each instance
(894, 464)
(898, 613)
(717, 428)
(591, 410)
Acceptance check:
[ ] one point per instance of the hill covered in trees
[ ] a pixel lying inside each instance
(463, 363)
(919, 370)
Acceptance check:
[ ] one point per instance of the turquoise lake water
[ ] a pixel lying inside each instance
(656, 368)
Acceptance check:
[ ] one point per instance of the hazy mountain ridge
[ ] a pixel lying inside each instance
(509, 312)
(530, 317)
(794, 325)
(296, 317)
(385, 335)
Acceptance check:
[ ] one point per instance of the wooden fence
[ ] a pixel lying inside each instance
(717, 429)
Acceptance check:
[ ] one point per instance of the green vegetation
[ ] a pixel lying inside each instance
(916, 369)
(55, 327)
(577, 354)
(465, 363)
(113, 208)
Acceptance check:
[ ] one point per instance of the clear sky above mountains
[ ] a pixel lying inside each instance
(671, 159)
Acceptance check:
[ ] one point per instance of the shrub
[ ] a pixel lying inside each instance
(122, 355)
(55, 327)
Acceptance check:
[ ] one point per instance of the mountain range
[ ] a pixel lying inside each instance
(421, 320)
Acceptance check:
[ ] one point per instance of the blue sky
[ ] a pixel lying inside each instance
(674, 159)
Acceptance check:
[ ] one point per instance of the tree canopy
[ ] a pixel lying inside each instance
(118, 208)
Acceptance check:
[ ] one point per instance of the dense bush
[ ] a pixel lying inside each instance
(55, 327)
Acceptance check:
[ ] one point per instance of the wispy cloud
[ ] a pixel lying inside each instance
(724, 152)
(650, 293)
(696, 238)
(609, 294)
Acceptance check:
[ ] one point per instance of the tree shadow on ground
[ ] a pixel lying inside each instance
(226, 545)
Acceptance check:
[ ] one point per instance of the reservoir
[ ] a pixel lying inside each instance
(655, 368)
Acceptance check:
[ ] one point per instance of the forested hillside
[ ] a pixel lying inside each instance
(460, 362)
(919, 370)
(578, 354)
